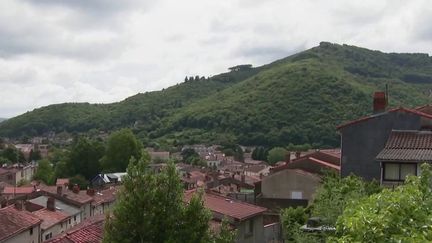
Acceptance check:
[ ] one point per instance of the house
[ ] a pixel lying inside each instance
(103, 201)
(77, 198)
(296, 182)
(10, 192)
(90, 230)
(54, 221)
(18, 225)
(363, 139)
(102, 180)
(257, 170)
(15, 174)
(25, 149)
(402, 155)
(73, 212)
(246, 218)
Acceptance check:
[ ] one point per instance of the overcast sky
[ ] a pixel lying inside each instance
(100, 51)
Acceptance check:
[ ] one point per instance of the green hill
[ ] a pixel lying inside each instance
(299, 99)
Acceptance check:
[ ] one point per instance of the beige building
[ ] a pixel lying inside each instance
(15, 174)
(18, 226)
(54, 222)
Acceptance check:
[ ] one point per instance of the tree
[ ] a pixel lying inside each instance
(190, 156)
(226, 234)
(79, 180)
(85, 157)
(292, 219)
(11, 154)
(62, 170)
(155, 211)
(336, 193)
(45, 172)
(403, 214)
(122, 146)
(34, 155)
(276, 154)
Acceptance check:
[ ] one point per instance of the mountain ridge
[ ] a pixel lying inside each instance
(298, 99)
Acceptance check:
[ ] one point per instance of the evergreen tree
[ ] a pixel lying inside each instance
(150, 208)
(122, 146)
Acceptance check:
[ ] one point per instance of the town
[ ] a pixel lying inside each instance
(250, 187)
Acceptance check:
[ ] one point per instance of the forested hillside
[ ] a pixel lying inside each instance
(299, 100)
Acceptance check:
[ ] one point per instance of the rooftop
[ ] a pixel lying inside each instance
(13, 221)
(228, 206)
(417, 111)
(62, 181)
(61, 206)
(314, 162)
(18, 190)
(50, 218)
(90, 230)
(79, 198)
(108, 195)
(407, 146)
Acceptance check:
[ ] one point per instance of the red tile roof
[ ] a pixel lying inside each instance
(314, 162)
(13, 221)
(79, 198)
(400, 109)
(18, 190)
(50, 218)
(408, 146)
(228, 206)
(89, 231)
(108, 195)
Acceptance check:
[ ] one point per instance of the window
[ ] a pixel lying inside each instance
(249, 226)
(69, 221)
(75, 218)
(31, 231)
(398, 171)
(9, 177)
(296, 195)
(48, 236)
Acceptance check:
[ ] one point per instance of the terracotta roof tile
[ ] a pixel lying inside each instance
(62, 181)
(108, 195)
(408, 146)
(313, 162)
(79, 198)
(13, 221)
(228, 206)
(89, 231)
(18, 190)
(50, 218)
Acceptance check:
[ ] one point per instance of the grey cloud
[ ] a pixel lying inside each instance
(267, 53)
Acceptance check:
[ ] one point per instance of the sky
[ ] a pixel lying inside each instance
(102, 51)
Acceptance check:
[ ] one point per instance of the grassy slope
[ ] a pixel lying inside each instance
(299, 99)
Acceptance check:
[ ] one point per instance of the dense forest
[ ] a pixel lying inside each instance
(299, 100)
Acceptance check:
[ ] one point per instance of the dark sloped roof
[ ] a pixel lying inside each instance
(407, 146)
(400, 109)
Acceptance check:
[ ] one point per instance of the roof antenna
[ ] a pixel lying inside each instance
(386, 94)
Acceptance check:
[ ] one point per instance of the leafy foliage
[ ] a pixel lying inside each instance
(45, 172)
(85, 157)
(155, 210)
(276, 154)
(400, 215)
(122, 146)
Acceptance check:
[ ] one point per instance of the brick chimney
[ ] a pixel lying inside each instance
(91, 192)
(288, 157)
(379, 102)
(60, 190)
(243, 177)
(18, 205)
(51, 204)
(297, 154)
(75, 189)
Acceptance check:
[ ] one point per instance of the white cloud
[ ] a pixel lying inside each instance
(54, 51)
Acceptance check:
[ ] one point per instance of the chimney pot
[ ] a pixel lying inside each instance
(379, 102)
(75, 189)
(51, 204)
(59, 190)
(297, 154)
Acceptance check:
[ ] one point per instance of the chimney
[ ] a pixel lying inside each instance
(243, 177)
(59, 190)
(75, 189)
(18, 205)
(379, 102)
(297, 154)
(91, 192)
(51, 204)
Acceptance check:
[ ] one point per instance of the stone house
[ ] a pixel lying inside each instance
(18, 225)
